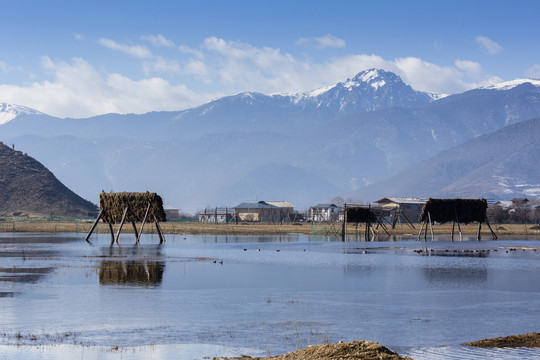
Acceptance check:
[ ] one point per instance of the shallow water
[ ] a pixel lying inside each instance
(200, 296)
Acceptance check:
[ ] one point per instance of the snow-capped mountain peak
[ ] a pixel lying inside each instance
(9, 112)
(508, 85)
(369, 90)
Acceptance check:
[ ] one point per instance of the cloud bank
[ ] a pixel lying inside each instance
(217, 67)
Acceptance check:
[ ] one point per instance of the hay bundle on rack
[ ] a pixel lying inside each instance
(447, 210)
(114, 204)
(360, 215)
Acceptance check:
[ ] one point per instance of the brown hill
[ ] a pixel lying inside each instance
(26, 186)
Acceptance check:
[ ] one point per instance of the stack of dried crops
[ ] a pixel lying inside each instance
(114, 204)
(446, 210)
(360, 215)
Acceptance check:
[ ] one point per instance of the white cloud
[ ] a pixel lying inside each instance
(534, 71)
(243, 67)
(472, 68)
(322, 42)
(137, 51)
(7, 68)
(488, 46)
(158, 40)
(187, 50)
(161, 65)
(219, 67)
(78, 36)
(78, 90)
(4, 67)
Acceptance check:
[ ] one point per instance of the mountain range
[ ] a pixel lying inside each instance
(344, 139)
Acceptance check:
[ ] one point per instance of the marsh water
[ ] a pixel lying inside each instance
(199, 296)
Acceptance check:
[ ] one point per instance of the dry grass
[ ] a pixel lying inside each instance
(355, 350)
(255, 229)
(525, 340)
(446, 210)
(113, 205)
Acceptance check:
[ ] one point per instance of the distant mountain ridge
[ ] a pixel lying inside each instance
(306, 147)
(497, 165)
(367, 91)
(26, 186)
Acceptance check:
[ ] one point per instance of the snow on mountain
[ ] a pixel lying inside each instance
(9, 112)
(508, 85)
(436, 97)
(369, 90)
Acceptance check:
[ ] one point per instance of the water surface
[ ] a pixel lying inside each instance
(198, 296)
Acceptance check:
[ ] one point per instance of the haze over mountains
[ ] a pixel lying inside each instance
(303, 148)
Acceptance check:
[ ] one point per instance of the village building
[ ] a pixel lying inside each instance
(172, 214)
(504, 204)
(265, 212)
(401, 208)
(324, 213)
(217, 215)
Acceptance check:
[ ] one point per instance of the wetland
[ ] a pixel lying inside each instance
(203, 296)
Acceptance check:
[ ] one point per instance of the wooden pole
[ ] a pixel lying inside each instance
(144, 221)
(430, 226)
(492, 233)
(479, 229)
(409, 222)
(366, 232)
(459, 228)
(121, 224)
(384, 228)
(344, 231)
(112, 233)
(368, 222)
(160, 233)
(93, 226)
(135, 230)
(420, 232)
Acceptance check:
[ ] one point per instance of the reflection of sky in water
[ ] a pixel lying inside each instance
(271, 292)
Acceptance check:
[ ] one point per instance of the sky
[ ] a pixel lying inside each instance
(84, 58)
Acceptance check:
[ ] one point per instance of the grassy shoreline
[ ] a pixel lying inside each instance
(260, 229)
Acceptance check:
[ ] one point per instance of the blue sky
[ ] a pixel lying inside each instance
(82, 58)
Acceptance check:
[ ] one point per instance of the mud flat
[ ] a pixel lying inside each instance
(355, 350)
(512, 341)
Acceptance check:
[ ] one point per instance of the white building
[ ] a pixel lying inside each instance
(324, 212)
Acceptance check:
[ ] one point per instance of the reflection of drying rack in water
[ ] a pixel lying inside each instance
(132, 272)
